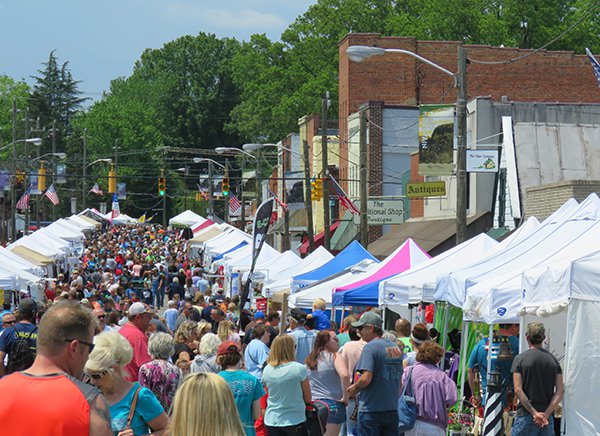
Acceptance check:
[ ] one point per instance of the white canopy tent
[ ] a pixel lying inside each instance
(186, 219)
(572, 287)
(57, 230)
(81, 223)
(418, 284)
(124, 219)
(269, 267)
(497, 298)
(324, 288)
(7, 281)
(7, 257)
(43, 244)
(554, 232)
(283, 280)
(25, 281)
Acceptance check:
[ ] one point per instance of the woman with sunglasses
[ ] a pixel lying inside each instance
(325, 374)
(106, 370)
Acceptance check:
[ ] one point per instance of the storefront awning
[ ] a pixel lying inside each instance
(434, 236)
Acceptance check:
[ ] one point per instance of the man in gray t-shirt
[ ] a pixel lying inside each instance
(378, 388)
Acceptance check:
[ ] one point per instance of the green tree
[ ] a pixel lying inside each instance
(10, 90)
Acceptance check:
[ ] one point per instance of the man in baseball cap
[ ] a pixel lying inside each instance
(134, 330)
(380, 368)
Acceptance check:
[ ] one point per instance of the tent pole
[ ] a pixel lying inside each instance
(566, 405)
(463, 360)
(444, 339)
(489, 353)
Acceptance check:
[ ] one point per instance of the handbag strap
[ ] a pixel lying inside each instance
(407, 388)
(132, 408)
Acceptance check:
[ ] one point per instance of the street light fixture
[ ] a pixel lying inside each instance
(225, 150)
(58, 155)
(105, 160)
(359, 53)
(205, 159)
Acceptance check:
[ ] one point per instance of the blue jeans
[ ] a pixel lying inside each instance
(159, 295)
(523, 425)
(378, 423)
(351, 426)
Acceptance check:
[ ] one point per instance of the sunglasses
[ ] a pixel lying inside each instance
(97, 375)
(101, 316)
(8, 322)
(89, 344)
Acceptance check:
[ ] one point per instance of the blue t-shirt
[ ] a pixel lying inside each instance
(255, 356)
(171, 316)
(285, 404)
(246, 389)
(383, 359)
(147, 408)
(23, 329)
(305, 340)
(321, 320)
(478, 361)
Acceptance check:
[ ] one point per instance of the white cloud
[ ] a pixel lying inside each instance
(245, 19)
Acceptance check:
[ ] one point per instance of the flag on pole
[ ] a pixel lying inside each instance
(234, 206)
(52, 195)
(142, 219)
(344, 200)
(23, 202)
(96, 190)
(278, 201)
(203, 193)
(595, 64)
(115, 206)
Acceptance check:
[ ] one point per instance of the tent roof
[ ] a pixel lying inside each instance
(186, 219)
(365, 292)
(89, 220)
(206, 234)
(554, 232)
(204, 225)
(351, 255)
(283, 279)
(417, 283)
(32, 256)
(323, 288)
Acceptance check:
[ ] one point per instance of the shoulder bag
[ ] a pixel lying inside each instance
(407, 406)
(132, 408)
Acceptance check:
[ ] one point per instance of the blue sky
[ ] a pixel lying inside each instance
(101, 39)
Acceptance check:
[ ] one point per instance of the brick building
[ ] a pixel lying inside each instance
(401, 80)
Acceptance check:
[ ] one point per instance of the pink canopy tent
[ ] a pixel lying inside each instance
(403, 258)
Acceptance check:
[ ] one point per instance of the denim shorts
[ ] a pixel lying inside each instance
(337, 411)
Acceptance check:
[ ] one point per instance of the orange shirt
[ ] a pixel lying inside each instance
(55, 404)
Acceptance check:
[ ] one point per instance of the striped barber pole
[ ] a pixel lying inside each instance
(493, 424)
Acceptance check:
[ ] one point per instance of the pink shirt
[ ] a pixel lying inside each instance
(139, 343)
(350, 353)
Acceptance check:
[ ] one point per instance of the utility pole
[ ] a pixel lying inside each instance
(13, 191)
(84, 169)
(307, 199)
(211, 206)
(164, 201)
(243, 211)
(325, 189)
(53, 163)
(258, 193)
(226, 175)
(363, 188)
(286, 213)
(461, 156)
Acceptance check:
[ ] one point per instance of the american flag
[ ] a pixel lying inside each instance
(595, 64)
(234, 205)
(52, 195)
(203, 193)
(278, 201)
(115, 206)
(344, 200)
(23, 202)
(96, 189)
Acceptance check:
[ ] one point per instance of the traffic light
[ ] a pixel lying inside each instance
(314, 190)
(112, 180)
(162, 186)
(225, 186)
(41, 178)
(319, 188)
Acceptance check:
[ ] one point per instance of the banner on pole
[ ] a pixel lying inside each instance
(122, 191)
(436, 139)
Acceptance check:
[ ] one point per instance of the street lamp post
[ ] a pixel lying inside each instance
(211, 162)
(358, 53)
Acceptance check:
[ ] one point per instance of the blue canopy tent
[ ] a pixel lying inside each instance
(351, 255)
(367, 295)
(237, 247)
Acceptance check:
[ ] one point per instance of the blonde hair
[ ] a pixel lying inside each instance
(204, 406)
(204, 328)
(185, 330)
(225, 329)
(319, 304)
(282, 351)
(110, 348)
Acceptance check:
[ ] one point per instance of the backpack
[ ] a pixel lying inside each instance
(22, 354)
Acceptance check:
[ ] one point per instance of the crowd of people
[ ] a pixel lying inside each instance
(138, 339)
